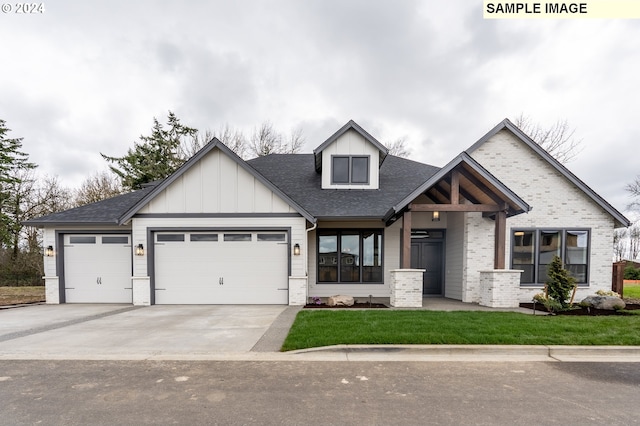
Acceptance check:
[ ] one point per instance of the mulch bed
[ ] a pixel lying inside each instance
(579, 310)
(358, 305)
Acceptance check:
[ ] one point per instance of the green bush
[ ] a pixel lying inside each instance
(631, 273)
(560, 284)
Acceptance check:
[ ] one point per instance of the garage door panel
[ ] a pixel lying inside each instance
(97, 271)
(235, 269)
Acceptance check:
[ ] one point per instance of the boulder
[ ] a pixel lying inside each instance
(608, 303)
(340, 300)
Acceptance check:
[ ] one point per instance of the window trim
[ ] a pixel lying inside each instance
(338, 233)
(350, 170)
(563, 251)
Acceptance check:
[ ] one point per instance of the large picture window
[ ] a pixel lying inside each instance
(532, 250)
(350, 256)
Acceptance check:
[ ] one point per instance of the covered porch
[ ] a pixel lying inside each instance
(473, 263)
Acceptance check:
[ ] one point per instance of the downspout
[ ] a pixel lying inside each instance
(306, 264)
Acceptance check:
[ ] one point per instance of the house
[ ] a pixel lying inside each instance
(347, 219)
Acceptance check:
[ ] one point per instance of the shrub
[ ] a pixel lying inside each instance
(631, 273)
(559, 284)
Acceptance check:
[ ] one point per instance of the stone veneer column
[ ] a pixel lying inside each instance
(141, 291)
(406, 288)
(52, 290)
(500, 288)
(297, 291)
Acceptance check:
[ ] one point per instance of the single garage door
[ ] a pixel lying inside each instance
(97, 268)
(221, 268)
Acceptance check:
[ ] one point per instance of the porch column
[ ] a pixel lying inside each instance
(500, 240)
(406, 240)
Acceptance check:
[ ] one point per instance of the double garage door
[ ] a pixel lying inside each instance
(241, 267)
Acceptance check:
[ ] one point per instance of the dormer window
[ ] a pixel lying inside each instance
(350, 169)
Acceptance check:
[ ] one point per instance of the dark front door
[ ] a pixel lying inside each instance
(428, 255)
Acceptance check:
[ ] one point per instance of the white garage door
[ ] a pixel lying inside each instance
(97, 268)
(221, 268)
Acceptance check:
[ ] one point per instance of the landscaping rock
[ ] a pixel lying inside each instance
(340, 300)
(609, 303)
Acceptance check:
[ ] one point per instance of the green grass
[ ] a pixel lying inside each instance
(314, 328)
(632, 291)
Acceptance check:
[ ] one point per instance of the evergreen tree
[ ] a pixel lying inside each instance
(154, 157)
(12, 163)
(559, 283)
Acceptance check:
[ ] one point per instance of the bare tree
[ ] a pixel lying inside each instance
(558, 140)
(634, 242)
(619, 243)
(234, 139)
(97, 187)
(266, 140)
(634, 189)
(399, 148)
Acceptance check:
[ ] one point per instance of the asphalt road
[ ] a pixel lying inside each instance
(303, 393)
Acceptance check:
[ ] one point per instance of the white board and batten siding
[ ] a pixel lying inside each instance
(216, 184)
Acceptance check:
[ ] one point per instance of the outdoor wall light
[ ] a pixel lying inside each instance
(139, 250)
(436, 217)
(296, 250)
(48, 251)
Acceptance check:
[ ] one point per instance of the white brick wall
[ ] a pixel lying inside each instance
(555, 200)
(499, 288)
(297, 291)
(406, 288)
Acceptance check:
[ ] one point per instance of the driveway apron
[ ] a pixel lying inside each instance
(124, 331)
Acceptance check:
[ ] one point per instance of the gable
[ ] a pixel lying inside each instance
(216, 184)
(513, 157)
(349, 146)
(541, 183)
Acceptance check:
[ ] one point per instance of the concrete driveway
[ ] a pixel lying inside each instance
(71, 331)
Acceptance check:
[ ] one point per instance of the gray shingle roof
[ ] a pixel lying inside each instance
(295, 175)
(105, 212)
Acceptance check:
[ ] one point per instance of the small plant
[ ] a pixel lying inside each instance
(316, 300)
(607, 293)
(560, 284)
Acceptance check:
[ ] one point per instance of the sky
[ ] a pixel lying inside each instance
(86, 77)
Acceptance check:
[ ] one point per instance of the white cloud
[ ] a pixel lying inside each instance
(88, 77)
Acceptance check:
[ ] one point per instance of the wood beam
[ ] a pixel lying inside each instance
(455, 208)
(406, 240)
(455, 187)
(481, 186)
(501, 238)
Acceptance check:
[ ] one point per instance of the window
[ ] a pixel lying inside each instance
(533, 250)
(82, 240)
(166, 238)
(115, 240)
(203, 237)
(237, 237)
(272, 237)
(350, 170)
(350, 256)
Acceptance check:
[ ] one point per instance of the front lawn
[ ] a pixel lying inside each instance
(631, 291)
(314, 328)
